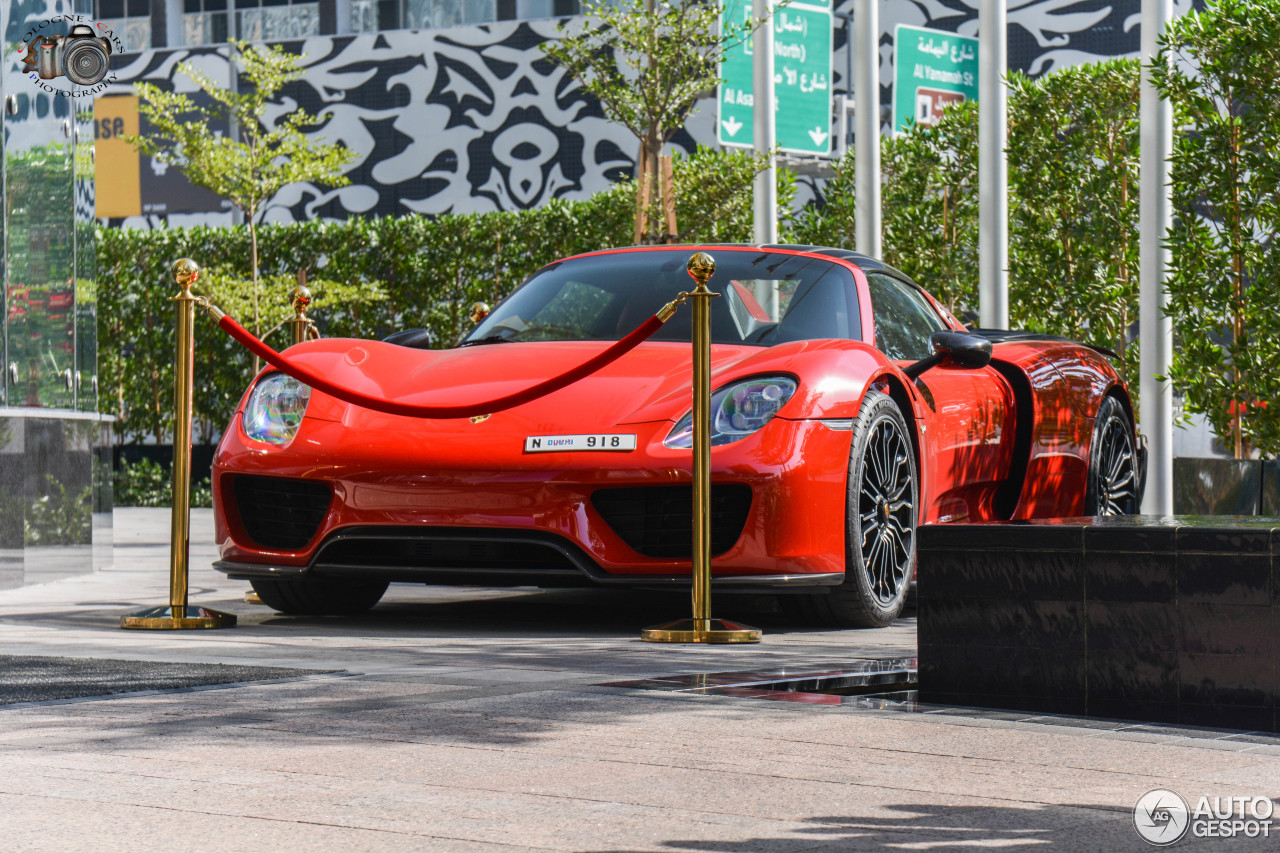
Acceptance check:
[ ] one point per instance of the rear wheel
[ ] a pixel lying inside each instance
(319, 597)
(1113, 463)
(881, 513)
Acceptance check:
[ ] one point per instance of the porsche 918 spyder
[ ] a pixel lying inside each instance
(848, 407)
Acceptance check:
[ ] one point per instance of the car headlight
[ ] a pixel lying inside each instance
(275, 409)
(737, 411)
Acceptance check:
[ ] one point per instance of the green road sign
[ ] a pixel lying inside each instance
(801, 75)
(933, 69)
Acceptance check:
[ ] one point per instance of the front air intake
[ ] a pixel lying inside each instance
(657, 521)
(281, 512)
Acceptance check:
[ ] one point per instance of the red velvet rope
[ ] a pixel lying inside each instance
(555, 383)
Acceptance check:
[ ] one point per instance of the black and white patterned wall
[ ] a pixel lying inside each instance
(474, 119)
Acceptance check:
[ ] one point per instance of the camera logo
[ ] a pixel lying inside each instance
(82, 56)
(1161, 817)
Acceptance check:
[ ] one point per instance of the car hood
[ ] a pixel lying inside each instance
(650, 383)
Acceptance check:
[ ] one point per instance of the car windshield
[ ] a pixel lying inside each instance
(766, 298)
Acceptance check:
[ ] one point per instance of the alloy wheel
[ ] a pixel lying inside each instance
(887, 511)
(1117, 470)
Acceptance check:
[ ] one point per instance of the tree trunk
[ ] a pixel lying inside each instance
(667, 181)
(1123, 273)
(253, 260)
(649, 193)
(642, 196)
(1237, 270)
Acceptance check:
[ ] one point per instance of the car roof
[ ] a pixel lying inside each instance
(864, 262)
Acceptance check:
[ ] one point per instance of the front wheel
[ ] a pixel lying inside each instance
(310, 597)
(882, 498)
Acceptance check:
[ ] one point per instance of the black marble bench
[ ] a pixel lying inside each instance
(1173, 619)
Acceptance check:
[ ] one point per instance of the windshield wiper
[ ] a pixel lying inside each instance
(488, 339)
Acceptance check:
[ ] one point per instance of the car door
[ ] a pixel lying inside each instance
(967, 424)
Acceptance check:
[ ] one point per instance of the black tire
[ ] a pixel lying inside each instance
(319, 597)
(881, 511)
(1113, 487)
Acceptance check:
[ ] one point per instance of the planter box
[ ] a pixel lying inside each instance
(1271, 489)
(1217, 486)
(1138, 617)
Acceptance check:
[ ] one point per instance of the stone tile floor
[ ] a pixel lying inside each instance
(472, 719)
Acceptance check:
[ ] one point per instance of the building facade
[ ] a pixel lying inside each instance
(451, 107)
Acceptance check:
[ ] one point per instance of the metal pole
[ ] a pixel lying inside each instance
(843, 102)
(1155, 341)
(866, 84)
(183, 378)
(846, 102)
(701, 628)
(178, 614)
(701, 267)
(764, 129)
(993, 167)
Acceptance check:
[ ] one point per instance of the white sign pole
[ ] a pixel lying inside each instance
(1155, 217)
(762, 111)
(993, 167)
(866, 95)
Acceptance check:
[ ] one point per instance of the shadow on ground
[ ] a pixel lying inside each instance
(946, 828)
(491, 613)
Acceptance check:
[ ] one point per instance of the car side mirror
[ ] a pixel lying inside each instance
(964, 349)
(415, 338)
(960, 348)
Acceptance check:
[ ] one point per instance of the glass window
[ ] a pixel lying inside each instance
(904, 319)
(370, 16)
(435, 14)
(211, 22)
(128, 21)
(766, 299)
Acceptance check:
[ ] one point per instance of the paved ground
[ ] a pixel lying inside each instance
(467, 720)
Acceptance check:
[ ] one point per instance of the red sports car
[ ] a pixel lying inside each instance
(848, 407)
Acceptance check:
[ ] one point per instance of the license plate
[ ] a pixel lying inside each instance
(550, 443)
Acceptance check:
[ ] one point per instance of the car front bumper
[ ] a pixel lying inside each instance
(455, 511)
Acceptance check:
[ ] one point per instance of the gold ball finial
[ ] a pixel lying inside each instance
(300, 299)
(479, 310)
(701, 267)
(185, 272)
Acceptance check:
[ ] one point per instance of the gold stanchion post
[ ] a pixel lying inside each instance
(301, 327)
(178, 614)
(701, 628)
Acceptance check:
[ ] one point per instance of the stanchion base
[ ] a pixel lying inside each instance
(701, 631)
(169, 618)
(251, 597)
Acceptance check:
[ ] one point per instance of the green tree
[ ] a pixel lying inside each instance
(929, 206)
(1073, 173)
(1221, 69)
(648, 62)
(250, 170)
